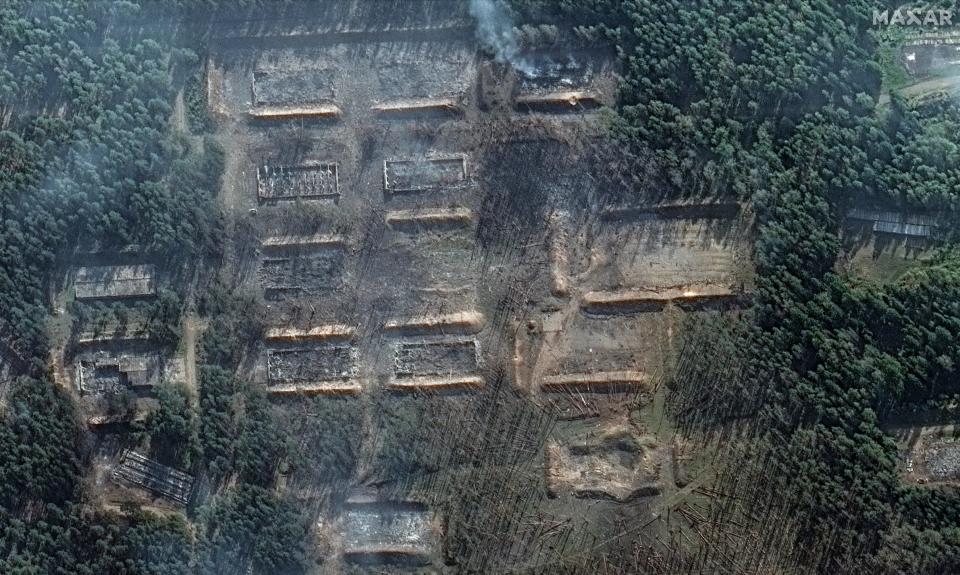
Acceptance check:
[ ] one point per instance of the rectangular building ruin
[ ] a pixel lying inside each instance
(429, 71)
(551, 71)
(107, 373)
(437, 364)
(560, 81)
(938, 461)
(295, 275)
(139, 471)
(423, 174)
(436, 358)
(308, 182)
(565, 354)
(322, 369)
(661, 258)
(115, 282)
(390, 532)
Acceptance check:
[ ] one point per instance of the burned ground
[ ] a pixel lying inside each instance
(444, 283)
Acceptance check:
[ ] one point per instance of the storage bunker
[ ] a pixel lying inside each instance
(390, 532)
(115, 282)
(466, 322)
(613, 464)
(139, 471)
(425, 220)
(319, 181)
(437, 364)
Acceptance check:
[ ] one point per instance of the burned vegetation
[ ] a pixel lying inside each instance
(456, 295)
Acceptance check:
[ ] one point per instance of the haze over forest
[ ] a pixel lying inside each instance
(479, 286)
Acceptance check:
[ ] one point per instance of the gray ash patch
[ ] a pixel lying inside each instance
(286, 87)
(942, 461)
(436, 358)
(558, 71)
(423, 174)
(301, 275)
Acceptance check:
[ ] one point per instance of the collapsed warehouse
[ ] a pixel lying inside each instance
(290, 182)
(112, 373)
(117, 378)
(136, 470)
(567, 81)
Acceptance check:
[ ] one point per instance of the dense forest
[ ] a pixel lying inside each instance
(90, 160)
(731, 98)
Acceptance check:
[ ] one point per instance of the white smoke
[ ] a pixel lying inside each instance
(496, 33)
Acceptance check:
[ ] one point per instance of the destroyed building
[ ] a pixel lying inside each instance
(419, 175)
(114, 372)
(389, 532)
(304, 182)
(137, 470)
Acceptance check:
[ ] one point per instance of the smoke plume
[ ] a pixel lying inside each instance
(496, 33)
